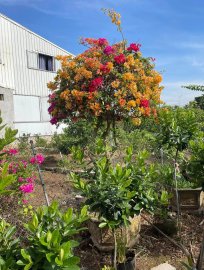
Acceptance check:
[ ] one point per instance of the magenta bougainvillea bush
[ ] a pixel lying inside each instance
(23, 169)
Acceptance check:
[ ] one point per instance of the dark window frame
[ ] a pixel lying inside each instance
(46, 62)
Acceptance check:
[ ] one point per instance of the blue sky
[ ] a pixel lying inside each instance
(172, 31)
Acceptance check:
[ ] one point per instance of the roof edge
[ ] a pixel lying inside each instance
(28, 30)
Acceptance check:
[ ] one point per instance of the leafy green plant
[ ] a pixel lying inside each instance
(40, 141)
(23, 143)
(195, 164)
(50, 242)
(118, 192)
(177, 126)
(6, 180)
(75, 134)
(9, 135)
(9, 246)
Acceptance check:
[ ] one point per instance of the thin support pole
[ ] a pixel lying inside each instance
(201, 256)
(162, 156)
(40, 174)
(115, 250)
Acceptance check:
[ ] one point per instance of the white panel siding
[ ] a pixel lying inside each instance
(15, 43)
(26, 108)
(6, 52)
(44, 109)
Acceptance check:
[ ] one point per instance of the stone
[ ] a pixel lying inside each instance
(164, 266)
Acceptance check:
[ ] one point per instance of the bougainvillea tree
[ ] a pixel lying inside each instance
(106, 82)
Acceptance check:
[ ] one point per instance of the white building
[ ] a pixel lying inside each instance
(27, 64)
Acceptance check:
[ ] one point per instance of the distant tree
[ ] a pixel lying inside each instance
(198, 101)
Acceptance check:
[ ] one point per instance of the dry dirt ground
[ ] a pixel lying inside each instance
(153, 249)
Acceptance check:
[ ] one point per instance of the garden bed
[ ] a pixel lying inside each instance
(154, 248)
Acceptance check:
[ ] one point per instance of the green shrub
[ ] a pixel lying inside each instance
(50, 241)
(75, 134)
(9, 246)
(40, 141)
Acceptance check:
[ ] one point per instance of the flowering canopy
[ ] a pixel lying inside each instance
(106, 81)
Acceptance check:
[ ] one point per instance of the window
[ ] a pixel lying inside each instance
(1, 97)
(45, 62)
(41, 61)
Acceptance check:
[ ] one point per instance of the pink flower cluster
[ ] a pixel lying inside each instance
(23, 170)
(134, 47)
(38, 159)
(109, 50)
(27, 188)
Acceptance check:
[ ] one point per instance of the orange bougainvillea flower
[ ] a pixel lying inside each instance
(122, 102)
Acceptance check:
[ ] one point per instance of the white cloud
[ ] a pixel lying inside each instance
(174, 94)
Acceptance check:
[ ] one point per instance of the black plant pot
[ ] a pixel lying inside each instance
(129, 264)
(126, 266)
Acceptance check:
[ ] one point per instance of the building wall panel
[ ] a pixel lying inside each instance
(15, 42)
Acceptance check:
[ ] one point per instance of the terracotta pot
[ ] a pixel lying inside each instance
(103, 237)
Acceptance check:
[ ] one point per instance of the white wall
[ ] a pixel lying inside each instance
(37, 128)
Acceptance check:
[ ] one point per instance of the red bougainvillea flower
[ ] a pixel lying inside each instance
(144, 103)
(102, 42)
(120, 59)
(97, 82)
(109, 50)
(104, 69)
(134, 47)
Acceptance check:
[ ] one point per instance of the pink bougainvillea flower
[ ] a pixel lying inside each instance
(39, 158)
(20, 179)
(29, 180)
(108, 50)
(134, 47)
(120, 59)
(32, 160)
(95, 84)
(27, 188)
(144, 103)
(12, 151)
(102, 42)
(25, 163)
